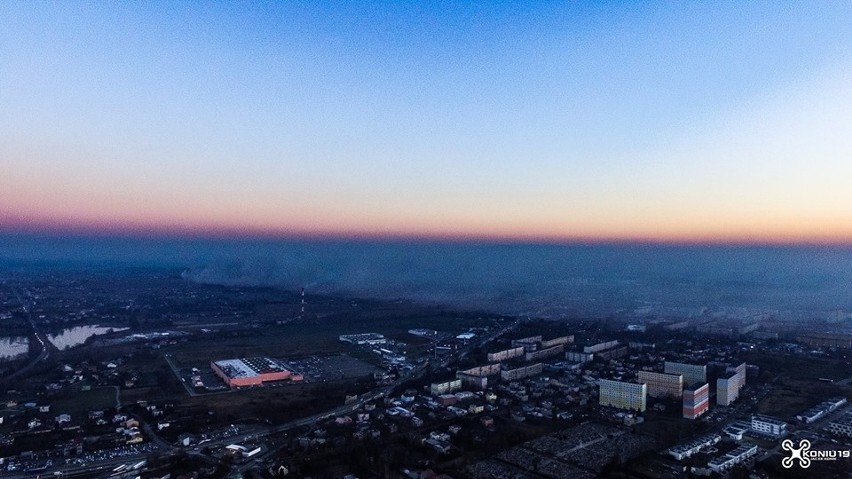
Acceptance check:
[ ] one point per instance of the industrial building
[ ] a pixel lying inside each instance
(696, 400)
(248, 372)
(692, 373)
(423, 332)
(622, 395)
(661, 385)
(363, 338)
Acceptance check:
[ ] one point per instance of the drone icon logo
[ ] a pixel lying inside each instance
(800, 453)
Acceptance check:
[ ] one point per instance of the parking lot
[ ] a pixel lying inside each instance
(331, 368)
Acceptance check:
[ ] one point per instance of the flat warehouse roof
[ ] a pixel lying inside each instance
(248, 367)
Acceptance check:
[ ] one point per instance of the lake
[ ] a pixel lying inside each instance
(77, 335)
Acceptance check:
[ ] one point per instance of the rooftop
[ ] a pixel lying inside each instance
(769, 420)
(845, 419)
(248, 367)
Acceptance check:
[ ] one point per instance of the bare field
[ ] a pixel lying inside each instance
(308, 338)
(790, 396)
(79, 403)
(275, 404)
(130, 396)
(268, 342)
(796, 385)
(798, 367)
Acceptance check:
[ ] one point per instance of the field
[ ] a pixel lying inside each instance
(796, 385)
(79, 403)
(790, 396)
(276, 404)
(320, 337)
(281, 341)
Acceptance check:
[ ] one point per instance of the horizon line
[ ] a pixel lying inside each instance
(245, 234)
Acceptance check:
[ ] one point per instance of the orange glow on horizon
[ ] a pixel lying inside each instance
(756, 234)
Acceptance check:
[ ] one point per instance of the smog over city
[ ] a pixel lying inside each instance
(425, 240)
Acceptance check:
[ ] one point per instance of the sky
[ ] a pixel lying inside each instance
(636, 121)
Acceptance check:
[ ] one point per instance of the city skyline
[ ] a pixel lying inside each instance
(559, 122)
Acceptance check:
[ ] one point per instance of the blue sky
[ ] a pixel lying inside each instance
(566, 120)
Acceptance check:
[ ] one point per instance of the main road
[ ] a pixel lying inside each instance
(43, 343)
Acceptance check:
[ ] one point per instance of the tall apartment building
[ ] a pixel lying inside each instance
(578, 357)
(741, 370)
(563, 340)
(436, 389)
(477, 378)
(613, 353)
(522, 372)
(728, 389)
(692, 373)
(545, 353)
(596, 348)
(623, 395)
(696, 400)
(506, 354)
(662, 385)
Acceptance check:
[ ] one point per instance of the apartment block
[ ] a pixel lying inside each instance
(696, 400)
(692, 373)
(662, 385)
(623, 395)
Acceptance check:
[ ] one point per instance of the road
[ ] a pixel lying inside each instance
(189, 390)
(44, 343)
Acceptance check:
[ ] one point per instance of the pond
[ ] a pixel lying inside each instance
(77, 335)
(13, 346)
